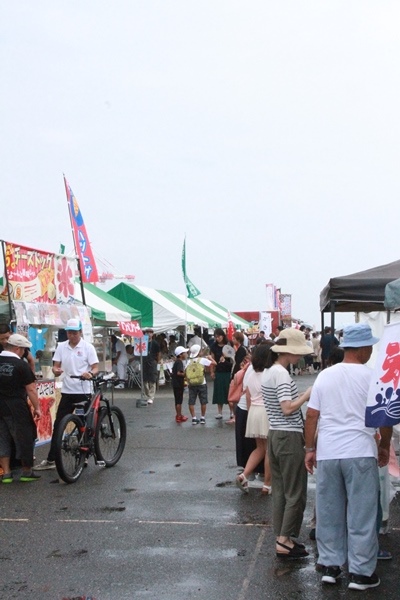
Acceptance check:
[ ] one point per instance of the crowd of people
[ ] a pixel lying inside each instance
(258, 387)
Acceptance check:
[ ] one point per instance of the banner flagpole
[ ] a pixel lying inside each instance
(76, 249)
(192, 290)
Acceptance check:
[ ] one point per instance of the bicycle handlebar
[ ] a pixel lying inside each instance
(100, 378)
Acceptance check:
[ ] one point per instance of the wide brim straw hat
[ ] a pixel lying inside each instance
(291, 341)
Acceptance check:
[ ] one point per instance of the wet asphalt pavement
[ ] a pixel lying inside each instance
(167, 522)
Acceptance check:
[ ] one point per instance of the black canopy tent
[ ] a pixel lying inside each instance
(358, 292)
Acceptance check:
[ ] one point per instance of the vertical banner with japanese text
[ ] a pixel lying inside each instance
(271, 296)
(383, 404)
(82, 244)
(286, 306)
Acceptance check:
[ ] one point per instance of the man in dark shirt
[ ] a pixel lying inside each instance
(150, 367)
(17, 427)
(328, 343)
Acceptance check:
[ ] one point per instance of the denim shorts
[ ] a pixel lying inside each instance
(200, 391)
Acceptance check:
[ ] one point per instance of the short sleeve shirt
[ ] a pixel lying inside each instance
(14, 376)
(277, 386)
(75, 361)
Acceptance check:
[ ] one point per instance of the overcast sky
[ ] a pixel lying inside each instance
(267, 131)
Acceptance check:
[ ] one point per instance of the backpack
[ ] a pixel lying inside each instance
(194, 373)
(236, 385)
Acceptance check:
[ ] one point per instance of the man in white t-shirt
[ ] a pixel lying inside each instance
(73, 357)
(346, 457)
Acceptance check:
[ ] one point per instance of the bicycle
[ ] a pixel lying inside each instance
(99, 432)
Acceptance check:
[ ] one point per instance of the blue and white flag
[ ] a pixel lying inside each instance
(383, 404)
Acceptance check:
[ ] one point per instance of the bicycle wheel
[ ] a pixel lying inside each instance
(109, 442)
(69, 456)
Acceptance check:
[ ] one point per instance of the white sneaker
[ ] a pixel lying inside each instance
(45, 465)
(149, 401)
(120, 386)
(218, 416)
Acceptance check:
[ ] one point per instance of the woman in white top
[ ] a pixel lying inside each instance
(286, 441)
(257, 421)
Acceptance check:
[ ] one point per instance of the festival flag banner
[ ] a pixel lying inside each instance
(265, 322)
(81, 239)
(231, 328)
(286, 306)
(271, 296)
(191, 289)
(130, 328)
(38, 276)
(383, 404)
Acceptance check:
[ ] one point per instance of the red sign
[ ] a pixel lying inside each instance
(130, 328)
(37, 276)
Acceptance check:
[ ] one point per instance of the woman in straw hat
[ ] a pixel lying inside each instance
(286, 441)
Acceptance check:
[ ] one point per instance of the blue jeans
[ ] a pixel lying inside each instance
(347, 509)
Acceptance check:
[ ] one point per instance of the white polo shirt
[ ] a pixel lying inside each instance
(75, 361)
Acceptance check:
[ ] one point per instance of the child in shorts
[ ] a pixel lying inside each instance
(199, 389)
(178, 382)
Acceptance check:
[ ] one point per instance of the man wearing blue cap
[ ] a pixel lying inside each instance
(347, 458)
(76, 357)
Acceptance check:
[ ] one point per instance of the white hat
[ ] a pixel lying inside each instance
(180, 349)
(194, 350)
(19, 341)
(73, 325)
(291, 341)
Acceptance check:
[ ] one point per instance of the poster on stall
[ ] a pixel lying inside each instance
(140, 345)
(49, 399)
(38, 276)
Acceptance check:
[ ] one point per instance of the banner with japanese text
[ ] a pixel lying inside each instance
(271, 296)
(37, 276)
(265, 322)
(81, 239)
(383, 404)
(286, 306)
(141, 346)
(130, 328)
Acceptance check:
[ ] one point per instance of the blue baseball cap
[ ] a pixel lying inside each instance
(73, 325)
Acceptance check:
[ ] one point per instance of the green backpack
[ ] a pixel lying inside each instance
(194, 373)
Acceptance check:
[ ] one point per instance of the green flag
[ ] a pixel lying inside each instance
(191, 289)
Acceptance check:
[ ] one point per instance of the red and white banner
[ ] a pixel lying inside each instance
(231, 328)
(37, 276)
(130, 328)
(81, 239)
(383, 404)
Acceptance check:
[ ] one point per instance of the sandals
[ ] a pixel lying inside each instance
(295, 552)
(242, 483)
(267, 490)
(7, 478)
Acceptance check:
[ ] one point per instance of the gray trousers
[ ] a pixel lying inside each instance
(149, 390)
(289, 481)
(347, 508)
